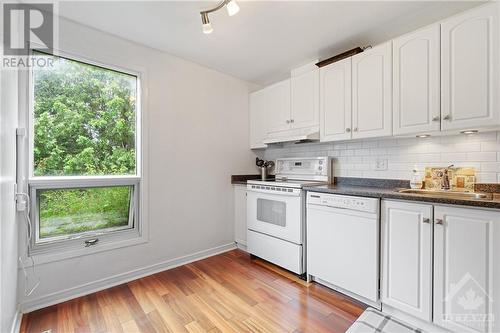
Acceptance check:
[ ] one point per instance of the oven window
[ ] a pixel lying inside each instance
(271, 211)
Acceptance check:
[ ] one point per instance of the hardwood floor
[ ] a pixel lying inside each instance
(224, 293)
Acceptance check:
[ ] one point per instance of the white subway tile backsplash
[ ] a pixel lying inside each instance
(458, 157)
(482, 156)
(490, 146)
(490, 166)
(358, 158)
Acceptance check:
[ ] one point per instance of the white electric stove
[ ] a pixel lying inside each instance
(276, 211)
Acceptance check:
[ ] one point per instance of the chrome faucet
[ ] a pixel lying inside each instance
(445, 180)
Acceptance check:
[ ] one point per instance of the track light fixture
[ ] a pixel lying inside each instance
(231, 7)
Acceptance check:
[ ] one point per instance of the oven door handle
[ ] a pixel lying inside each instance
(295, 193)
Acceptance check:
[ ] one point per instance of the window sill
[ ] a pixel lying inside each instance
(64, 253)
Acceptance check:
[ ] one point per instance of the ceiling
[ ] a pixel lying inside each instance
(266, 38)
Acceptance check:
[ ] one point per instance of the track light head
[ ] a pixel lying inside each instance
(206, 25)
(232, 7)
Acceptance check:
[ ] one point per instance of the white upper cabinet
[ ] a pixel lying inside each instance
(258, 123)
(372, 92)
(277, 104)
(466, 269)
(407, 258)
(335, 101)
(305, 97)
(416, 82)
(470, 69)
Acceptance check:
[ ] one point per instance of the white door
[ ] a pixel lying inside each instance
(407, 257)
(276, 215)
(305, 99)
(466, 269)
(335, 101)
(240, 214)
(417, 86)
(372, 92)
(277, 105)
(470, 69)
(258, 123)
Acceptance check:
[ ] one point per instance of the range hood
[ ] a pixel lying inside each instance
(301, 134)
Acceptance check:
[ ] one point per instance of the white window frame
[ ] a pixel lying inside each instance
(75, 245)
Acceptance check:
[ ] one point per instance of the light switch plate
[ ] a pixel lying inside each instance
(381, 164)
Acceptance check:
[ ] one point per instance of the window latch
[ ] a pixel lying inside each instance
(91, 242)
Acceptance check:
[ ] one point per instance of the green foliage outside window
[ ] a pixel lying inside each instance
(84, 120)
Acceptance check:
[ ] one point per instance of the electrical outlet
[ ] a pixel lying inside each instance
(381, 164)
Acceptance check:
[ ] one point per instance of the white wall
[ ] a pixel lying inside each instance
(198, 136)
(8, 225)
(357, 158)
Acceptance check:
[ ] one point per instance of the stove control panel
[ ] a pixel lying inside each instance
(316, 168)
(369, 205)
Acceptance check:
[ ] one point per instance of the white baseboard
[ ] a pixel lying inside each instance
(91, 287)
(241, 246)
(16, 322)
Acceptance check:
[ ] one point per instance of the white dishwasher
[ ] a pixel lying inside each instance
(343, 244)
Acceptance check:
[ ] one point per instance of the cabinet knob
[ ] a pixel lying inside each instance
(347, 129)
(292, 121)
(426, 220)
(439, 221)
(355, 129)
(436, 118)
(447, 117)
(288, 121)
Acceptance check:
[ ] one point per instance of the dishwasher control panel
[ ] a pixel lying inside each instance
(369, 205)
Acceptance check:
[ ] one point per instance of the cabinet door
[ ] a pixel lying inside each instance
(417, 87)
(335, 101)
(305, 99)
(407, 258)
(277, 103)
(240, 214)
(258, 124)
(466, 272)
(372, 92)
(470, 70)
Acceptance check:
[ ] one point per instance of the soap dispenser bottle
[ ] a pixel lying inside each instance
(416, 179)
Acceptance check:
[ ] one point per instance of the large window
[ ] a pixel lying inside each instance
(84, 162)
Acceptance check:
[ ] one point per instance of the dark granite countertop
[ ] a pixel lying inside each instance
(242, 179)
(387, 189)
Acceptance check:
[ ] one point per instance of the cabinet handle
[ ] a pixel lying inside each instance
(426, 220)
(292, 121)
(439, 221)
(347, 129)
(436, 118)
(447, 117)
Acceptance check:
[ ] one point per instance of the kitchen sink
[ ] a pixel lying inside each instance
(450, 194)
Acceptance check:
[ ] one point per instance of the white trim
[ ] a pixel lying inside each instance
(91, 287)
(16, 322)
(242, 246)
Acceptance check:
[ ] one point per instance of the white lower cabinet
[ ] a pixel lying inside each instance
(240, 214)
(407, 257)
(466, 269)
(452, 253)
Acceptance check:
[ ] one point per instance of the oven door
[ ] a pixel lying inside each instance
(277, 214)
